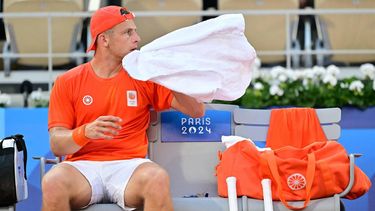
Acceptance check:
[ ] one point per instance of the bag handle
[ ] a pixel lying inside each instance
(21, 145)
(310, 172)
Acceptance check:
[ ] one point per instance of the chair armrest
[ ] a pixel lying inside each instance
(351, 173)
(43, 161)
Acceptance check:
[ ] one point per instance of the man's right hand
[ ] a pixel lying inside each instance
(104, 127)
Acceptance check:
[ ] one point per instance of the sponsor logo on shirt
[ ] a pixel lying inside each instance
(87, 100)
(131, 96)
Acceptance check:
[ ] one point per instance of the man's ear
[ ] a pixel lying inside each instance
(103, 39)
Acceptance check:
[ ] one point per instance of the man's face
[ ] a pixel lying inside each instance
(123, 38)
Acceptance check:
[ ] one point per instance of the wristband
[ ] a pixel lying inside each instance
(79, 135)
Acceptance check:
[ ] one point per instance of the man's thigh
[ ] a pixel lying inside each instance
(134, 192)
(116, 176)
(75, 184)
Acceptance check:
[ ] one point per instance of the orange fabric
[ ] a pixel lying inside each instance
(79, 135)
(296, 127)
(79, 97)
(302, 168)
(294, 180)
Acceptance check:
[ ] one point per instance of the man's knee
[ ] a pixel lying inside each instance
(54, 185)
(65, 185)
(156, 180)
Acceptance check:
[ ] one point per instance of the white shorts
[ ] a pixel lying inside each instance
(108, 179)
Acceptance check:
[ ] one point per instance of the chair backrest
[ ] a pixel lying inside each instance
(152, 27)
(264, 32)
(30, 34)
(254, 123)
(191, 165)
(348, 31)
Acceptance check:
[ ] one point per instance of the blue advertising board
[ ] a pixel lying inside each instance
(178, 127)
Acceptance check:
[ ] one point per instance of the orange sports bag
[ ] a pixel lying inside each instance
(318, 170)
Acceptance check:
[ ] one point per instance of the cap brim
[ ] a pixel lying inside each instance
(92, 46)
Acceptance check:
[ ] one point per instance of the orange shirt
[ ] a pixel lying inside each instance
(79, 96)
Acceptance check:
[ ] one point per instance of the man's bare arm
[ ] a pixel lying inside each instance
(61, 138)
(187, 105)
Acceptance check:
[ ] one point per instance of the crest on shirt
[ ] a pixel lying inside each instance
(131, 96)
(87, 100)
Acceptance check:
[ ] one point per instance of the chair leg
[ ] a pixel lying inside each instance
(339, 205)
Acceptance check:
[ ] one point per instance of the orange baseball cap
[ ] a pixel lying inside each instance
(105, 18)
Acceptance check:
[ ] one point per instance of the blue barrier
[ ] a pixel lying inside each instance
(32, 123)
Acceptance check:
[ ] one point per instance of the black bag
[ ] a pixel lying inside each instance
(13, 183)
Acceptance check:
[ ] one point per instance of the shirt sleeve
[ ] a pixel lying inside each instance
(162, 97)
(61, 109)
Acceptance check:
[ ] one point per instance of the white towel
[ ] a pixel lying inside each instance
(209, 60)
(229, 141)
